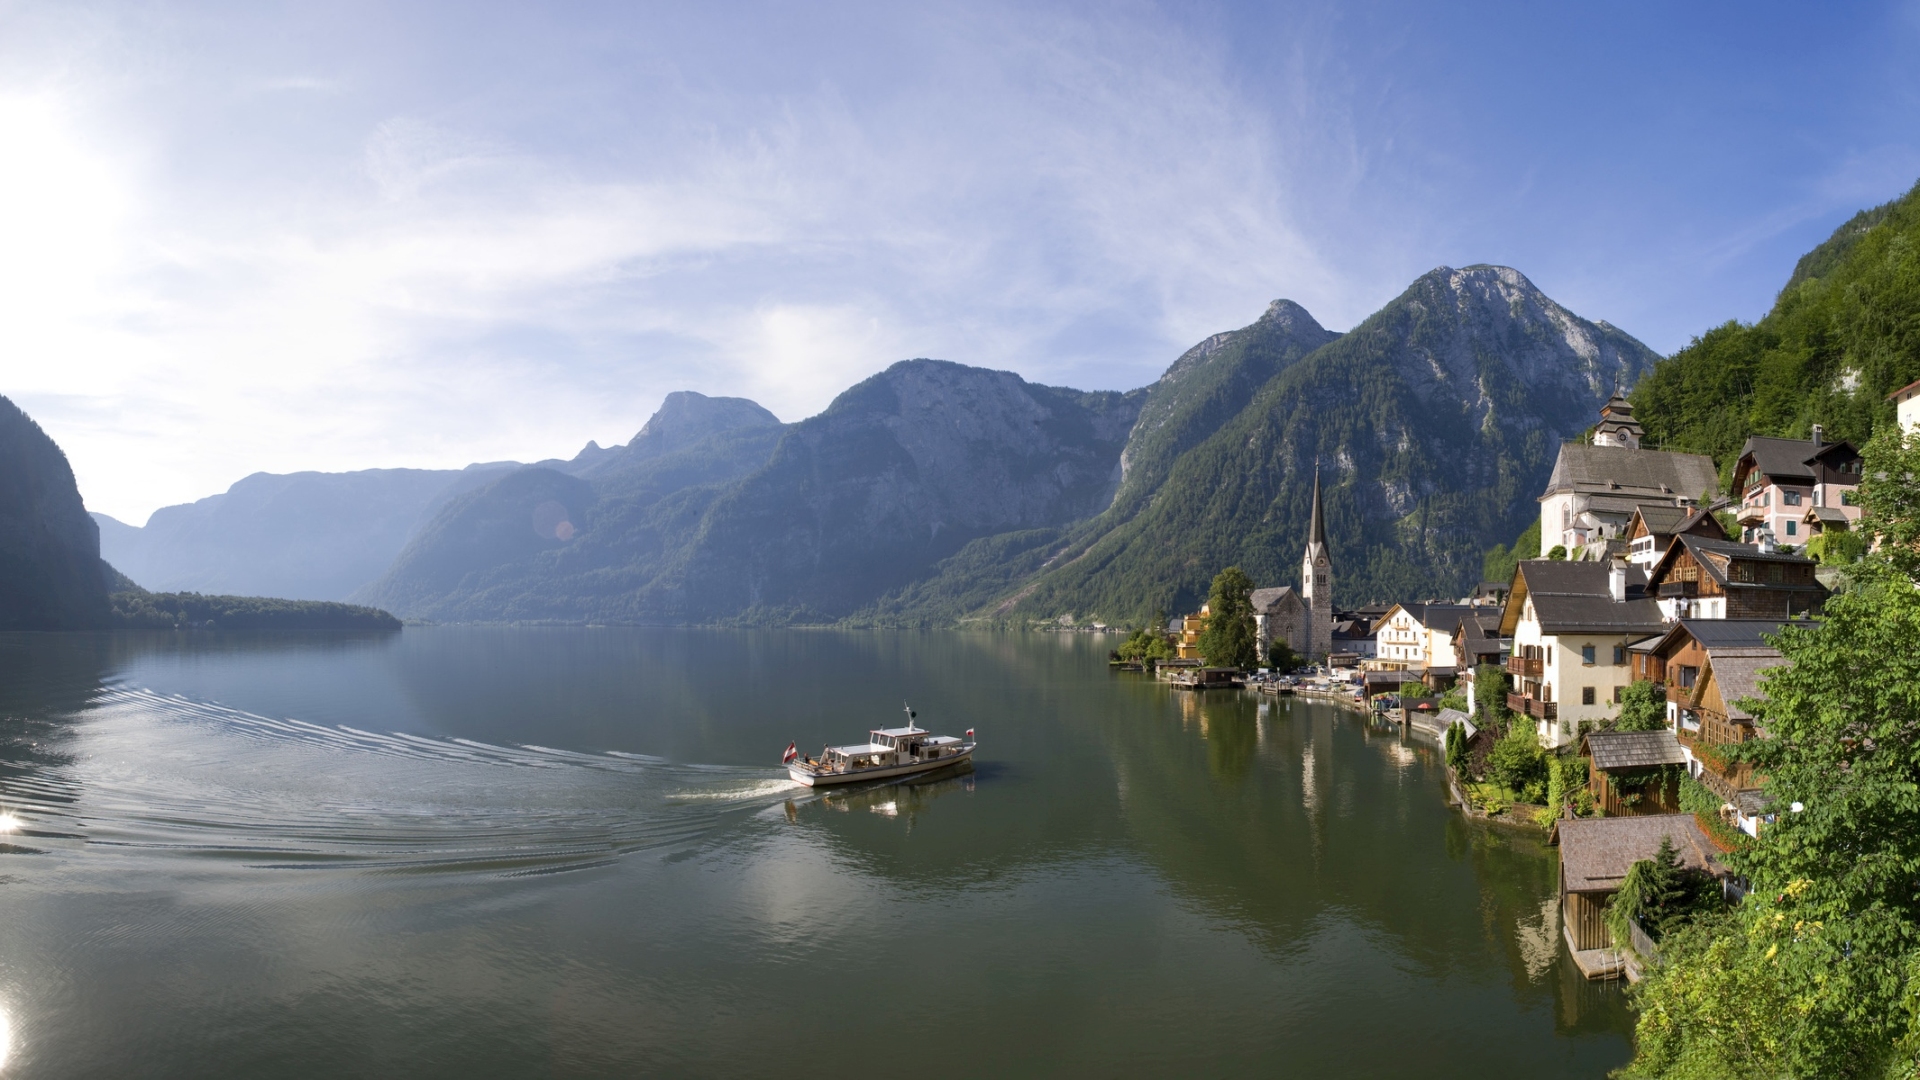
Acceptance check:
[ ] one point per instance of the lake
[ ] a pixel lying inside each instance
(513, 852)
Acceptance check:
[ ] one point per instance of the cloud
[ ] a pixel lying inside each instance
(1075, 197)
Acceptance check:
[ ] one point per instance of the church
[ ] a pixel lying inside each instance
(1304, 618)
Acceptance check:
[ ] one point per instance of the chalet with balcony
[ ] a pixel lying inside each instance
(1594, 489)
(1476, 644)
(1721, 579)
(1651, 529)
(1418, 636)
(1777, 480)
(1571, 624)
(1708, 667)
(1634, 772)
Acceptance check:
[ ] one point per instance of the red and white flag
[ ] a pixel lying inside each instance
(793, 751)
(969, 733)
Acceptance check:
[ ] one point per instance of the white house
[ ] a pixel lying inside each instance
(1906, 406)
(1417, 636)
(1594, 489)
(1571, 624)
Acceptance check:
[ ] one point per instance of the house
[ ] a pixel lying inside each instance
(1418, 636)
(1353, 639)
(1595, 855)
(1191, 627)
(1570, 624)
(1777, 479)
(1279, 615)
(1628, 772)
(1594, 489)
(1477, 643)
(1709, 667)
(1721, 579)
(1906, 406)
(1651, 529)
(1822, 519)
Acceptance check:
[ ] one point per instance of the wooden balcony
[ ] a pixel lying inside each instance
(1526, 706)
(1679, 588)
(1524, 667)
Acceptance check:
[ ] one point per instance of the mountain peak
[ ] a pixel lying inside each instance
(685, 417)
(1291, 316)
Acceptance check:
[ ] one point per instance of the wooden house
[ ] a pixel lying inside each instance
(1595, 855)
(1720, 579)
(1651, 529)
(1633, 773)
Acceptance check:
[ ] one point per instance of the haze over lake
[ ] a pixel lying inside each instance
(511, 852)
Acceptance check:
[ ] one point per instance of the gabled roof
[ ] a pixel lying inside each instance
(1663, 519)
(1595, 853)
(1613, 751)
(1620, 471)
(1265, 600)
(1721, 636)
(1739, 678)
(1776, 459)
(1714, 555)
(1573, 597)
(1827, 515)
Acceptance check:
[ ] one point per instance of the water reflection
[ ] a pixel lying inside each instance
(344, 857)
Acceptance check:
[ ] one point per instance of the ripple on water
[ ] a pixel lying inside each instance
(150, 776)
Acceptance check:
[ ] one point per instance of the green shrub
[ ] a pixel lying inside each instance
(1643, 707)
(1517, 763)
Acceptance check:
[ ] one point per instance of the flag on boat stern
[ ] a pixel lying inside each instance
(969, 733)
(793, 751)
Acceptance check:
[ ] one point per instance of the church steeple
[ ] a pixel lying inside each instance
(1316, 580)
(1317, 525)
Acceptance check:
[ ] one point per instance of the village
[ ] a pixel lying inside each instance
(1599, 692)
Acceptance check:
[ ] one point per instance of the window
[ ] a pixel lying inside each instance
(1586, 657)
(1793, 528)
(1791, 498)
(1586, 695)
(1617, 691)
(1687, 675)
(1846, 498)
(1619, 657)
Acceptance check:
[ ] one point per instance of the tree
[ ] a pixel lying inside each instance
(1643, 707)
(1814, 973)
(1281, 657)
(1661, 894)
(1490, 694)
(1230, 639)
(1518, 763)
(1557, 552)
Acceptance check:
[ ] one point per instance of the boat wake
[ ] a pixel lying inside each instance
(147, 776)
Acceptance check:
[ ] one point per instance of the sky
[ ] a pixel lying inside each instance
(256, 237)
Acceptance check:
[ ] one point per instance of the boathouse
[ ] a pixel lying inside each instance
(1635, 773)
(1595, 855)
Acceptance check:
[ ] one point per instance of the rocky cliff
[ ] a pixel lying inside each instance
(1434, 423)
(51, 576)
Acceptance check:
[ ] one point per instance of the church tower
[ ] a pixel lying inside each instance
(1316, 582)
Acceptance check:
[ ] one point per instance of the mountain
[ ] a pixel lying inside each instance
(717, 512)
(1434, 423)
(1842, 335)
(306, 535)
(51, 576)
(571, 541)
(899, 473)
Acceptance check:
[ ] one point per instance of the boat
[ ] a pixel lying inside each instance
(900, 751)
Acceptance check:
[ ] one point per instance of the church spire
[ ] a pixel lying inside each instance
(1317, 525)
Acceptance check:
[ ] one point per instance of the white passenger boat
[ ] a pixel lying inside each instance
(900, 751)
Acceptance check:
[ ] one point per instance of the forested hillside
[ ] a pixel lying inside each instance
(1842, 335)
(1435, 423)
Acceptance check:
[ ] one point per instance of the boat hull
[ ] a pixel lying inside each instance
(801, 775)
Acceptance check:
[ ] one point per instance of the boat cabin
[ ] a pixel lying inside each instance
(892, 746)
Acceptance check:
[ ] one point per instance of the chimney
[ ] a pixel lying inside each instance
(1819, 436)
(1617, 581)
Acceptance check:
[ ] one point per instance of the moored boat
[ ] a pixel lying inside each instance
(900, 751)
